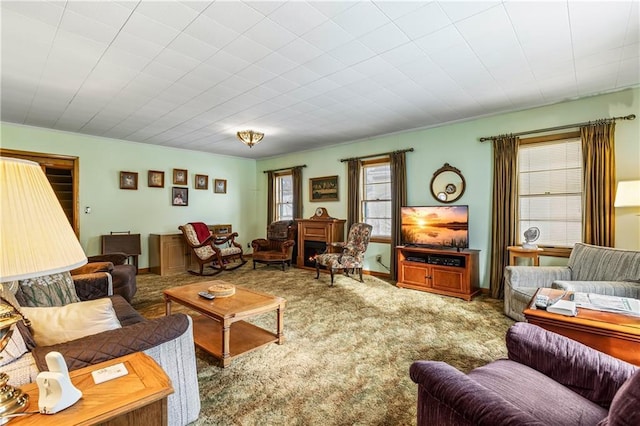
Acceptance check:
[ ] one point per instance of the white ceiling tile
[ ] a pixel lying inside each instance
(360, 19)
(277, 35)
(276, 63)
(345, 76)
(234, 15)
(125, 59)
(209, 31)
(146, 28)
(256, 75)
(442, 40)
(327, 36)
(298, 17)
(170, 13)
(192, 47)
(107, 12)
(526, 18)
(631, 51)
(48, 12)
(173, 59)
(164, 72)
(136, 45)
(197, 5)
(402, 54)
(396, 9)
(458, 10)
(423, 21)
(352, 53)
(265, 7)
(247, 49)
(589, 21)
(324, 65)
(384, 38)
(299, 51)
(87, 27)
(332, 8)
(228, 62)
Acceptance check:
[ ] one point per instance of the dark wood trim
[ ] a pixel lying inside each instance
(66, 162)
(549, 138)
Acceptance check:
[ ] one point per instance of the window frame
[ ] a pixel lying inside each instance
(362, 189)
(277, 199)
(555, 251)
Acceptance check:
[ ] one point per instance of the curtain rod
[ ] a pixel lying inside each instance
(377, 155)
(284, 168)
(567, 126)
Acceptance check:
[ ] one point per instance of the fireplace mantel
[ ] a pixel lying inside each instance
(323, 230)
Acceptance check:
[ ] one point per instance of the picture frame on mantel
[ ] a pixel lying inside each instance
(128, 180)
(323, 188)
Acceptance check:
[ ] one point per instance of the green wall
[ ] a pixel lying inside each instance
(458, 145)
(149, 210)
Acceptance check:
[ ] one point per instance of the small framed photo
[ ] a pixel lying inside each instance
(202, 182)
(180, 196)
(179, 176)
(323, 188)
(128, 180)
(220, 186)
(156, 179)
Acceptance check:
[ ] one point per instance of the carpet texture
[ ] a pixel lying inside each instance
(347, 350)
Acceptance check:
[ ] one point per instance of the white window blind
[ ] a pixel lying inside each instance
(283, 196)
(376, 198)
(550, 191)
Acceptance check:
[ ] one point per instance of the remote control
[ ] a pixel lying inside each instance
(542, 301)
(206, 295)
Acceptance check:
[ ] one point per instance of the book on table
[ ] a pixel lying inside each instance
(605, 303)
(563, 307)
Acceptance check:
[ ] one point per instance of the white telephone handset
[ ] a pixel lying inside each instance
(55, 387)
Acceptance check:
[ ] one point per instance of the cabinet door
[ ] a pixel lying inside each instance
(447, 279)
(174, 259)
(415, 275)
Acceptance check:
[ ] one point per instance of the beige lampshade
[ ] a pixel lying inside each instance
(628, 194)
(35, 235)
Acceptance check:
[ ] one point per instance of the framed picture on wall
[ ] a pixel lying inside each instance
(156, 179)
(128, 180)
(180, 196)
(179, 176)
(220, 186)
(323, 188)
(202, 182)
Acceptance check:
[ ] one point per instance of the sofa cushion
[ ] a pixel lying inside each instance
(596, 263)
(57, 324)
(47, 290)
(624, 407)
(537, 394)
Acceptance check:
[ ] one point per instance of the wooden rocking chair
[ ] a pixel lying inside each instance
(205, 247)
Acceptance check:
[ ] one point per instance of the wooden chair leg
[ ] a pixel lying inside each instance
(254, 264)
(317, 270)
(331, 271)
(360, 272)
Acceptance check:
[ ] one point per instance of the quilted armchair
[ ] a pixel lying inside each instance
(219, 253)
(278, 247)
(352, 255)
(548, 379)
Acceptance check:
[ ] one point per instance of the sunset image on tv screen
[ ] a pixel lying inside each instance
(437, 226)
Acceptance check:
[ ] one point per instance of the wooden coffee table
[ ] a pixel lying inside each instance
(614, 334)
(212, 329)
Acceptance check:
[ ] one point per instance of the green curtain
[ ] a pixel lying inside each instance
(504, 223)
(398, 199)
(270, 202)
(296, 177)
(353, 191)
(599, 176)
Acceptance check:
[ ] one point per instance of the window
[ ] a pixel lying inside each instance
(283, 195)
(375, 196)
(550, 190)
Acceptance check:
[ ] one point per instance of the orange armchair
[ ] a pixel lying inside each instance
(278, 247)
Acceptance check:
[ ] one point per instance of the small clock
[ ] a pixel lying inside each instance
(320, 213)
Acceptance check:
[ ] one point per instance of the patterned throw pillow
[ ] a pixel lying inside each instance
(48, 290)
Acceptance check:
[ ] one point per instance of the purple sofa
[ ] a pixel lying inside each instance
(547, 379)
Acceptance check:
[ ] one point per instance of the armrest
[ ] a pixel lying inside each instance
(535, 276)
(588, 372)
(115, 258)
(467, 398)
(610, 288)
(259, 244)
(93, 286)
(115, 343)
(92, 267)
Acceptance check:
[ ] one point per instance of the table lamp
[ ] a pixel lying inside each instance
(628, 194)
(35, 239)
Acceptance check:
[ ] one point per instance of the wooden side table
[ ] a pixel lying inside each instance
(138, 398)
(518, 251)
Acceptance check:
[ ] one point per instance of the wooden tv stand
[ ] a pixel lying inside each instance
(446, 272)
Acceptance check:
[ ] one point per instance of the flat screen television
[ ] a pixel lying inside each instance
(442, 227)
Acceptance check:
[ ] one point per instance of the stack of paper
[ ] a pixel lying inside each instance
(601, 302)
(563, 307)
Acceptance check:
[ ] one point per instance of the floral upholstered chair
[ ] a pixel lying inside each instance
(352, 255)
(220, 253)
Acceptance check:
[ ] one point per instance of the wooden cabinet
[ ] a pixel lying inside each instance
(320, 230)
(168, 254)
(444, 272)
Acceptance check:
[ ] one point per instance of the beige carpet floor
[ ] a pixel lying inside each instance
(347, 352)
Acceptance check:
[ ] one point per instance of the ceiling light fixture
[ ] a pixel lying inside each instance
(249, 137)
